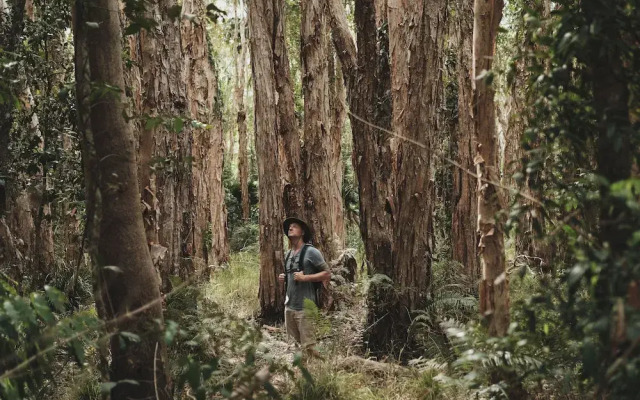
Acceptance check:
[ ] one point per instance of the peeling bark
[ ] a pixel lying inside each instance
(464, 219)
(494, 285)
(367, 82)
(289, 134)
(321, 196)
(241, 114)
(261, 18)
(416, 41)
(337, 100)
(111, 181)
(180, 172)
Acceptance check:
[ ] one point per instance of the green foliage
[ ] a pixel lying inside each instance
(570, 140)
(320, 322)
(537, 351)
(450, 299)
(244, 237)
(34, 333)
(326, 385)
(242, 234)
(427, 387)
(43, 158)
(214, 353)
(234, 288)
(211, 353)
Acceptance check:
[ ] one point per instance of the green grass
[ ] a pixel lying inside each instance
(332, 382)
(235, 289)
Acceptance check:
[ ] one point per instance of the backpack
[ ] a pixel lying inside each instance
(316, 285)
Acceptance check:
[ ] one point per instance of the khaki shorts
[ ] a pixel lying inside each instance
(300, 328)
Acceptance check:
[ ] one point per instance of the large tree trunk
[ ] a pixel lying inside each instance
(416, 42)
(529, 239)
(464, 219)
(182, 193)
(366, 76)
(289, 135)
(337, 99)
(208, 235)
(494, 285)
(112, 193)
(261, 20)
(320, 189)
(241, 114)
(367, 81)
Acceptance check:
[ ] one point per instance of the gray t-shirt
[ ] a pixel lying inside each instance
(298, 291)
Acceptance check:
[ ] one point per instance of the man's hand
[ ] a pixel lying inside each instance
(299, 276)
(281, 278)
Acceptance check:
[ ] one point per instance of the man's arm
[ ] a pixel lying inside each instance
(317, 261)
(321, 276)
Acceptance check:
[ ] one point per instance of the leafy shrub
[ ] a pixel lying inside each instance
(244, 237)
(450, 298)
(212, 352)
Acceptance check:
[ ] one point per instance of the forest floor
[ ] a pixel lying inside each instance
(346, 372)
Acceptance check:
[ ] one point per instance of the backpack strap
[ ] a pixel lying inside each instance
(303, 252)
(286, 277)
(316, 285)
(286, 260)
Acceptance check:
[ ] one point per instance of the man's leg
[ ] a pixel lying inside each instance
(307, 335)
(291, 324)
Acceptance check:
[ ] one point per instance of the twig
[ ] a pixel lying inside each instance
(155, 371)
(375, 323)
(450, 161)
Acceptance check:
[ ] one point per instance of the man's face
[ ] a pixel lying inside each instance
(295, 230)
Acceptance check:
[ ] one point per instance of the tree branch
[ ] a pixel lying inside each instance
(343, 41)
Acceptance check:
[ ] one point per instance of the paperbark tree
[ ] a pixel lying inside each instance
(321, 196)
(465, 200)
(367, 82)
(261, 21)
(337, 100)
(115, 223)
(494, 285)
(416, 42)
(241, 114)
(289, 134)
(180, 162)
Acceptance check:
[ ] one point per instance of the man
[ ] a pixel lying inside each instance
(301, 276)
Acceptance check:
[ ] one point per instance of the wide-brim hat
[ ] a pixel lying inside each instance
(305, 227)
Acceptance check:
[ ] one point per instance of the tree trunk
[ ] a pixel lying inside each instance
(112, 191)
(337, 100)
(261, 20)
(529, 238)
(494, 285)
(241, 115)
(162, 152)
(367, 81)
(206, 197)
(464, 219)
(320, 189)
(416, 41)
(182, 192)
(289, 135)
